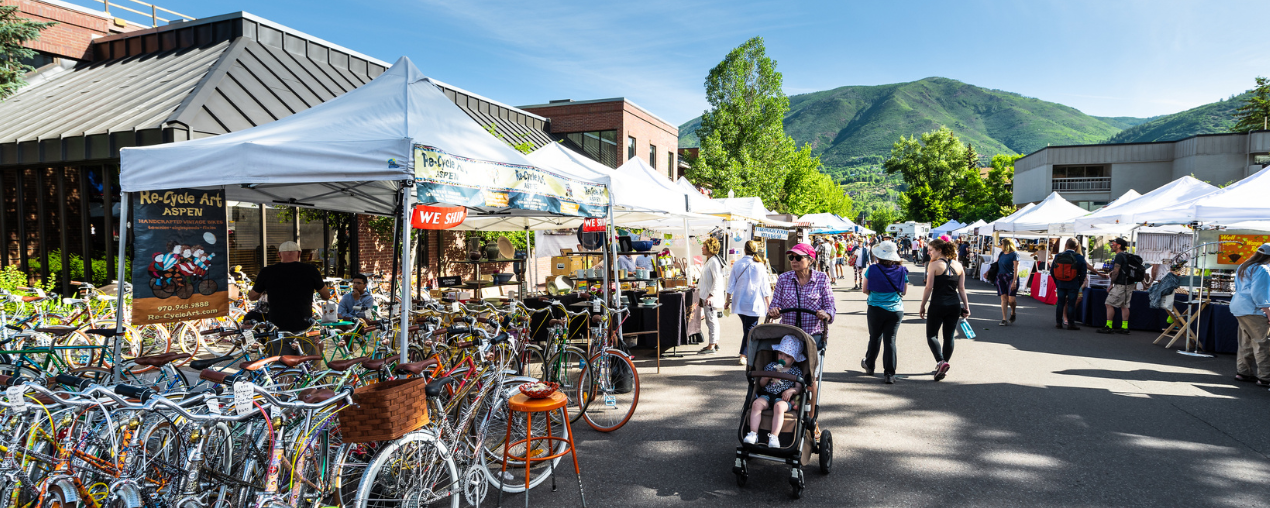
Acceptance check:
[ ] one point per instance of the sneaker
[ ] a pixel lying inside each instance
(1003, 323)
(741, 360)
(1123, 331)
(890, 379)
(773, 441)
(1073, 327)
(708, 350)
(1106, 329)
(1059, 326)
(1011, 316)
(751, 438)
(864, 364)
(941, 370)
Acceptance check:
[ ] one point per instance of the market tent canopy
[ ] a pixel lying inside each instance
(1052, 210)
(998, 225)
(968, 229)
(348, 154)
(698, 202)
(1122, 216)
(946, 228)
(1245, 200)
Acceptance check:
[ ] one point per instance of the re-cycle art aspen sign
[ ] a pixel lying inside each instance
(180, 264)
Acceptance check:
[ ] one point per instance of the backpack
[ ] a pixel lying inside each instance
(1133, 272)
(1065, 267)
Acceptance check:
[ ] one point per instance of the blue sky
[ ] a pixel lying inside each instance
(1106, 58)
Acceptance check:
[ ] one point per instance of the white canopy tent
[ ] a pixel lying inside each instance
(356, 153)
(698, 202)
(967, 229)
(1052, 210)
(946, 228)
(997, 225)
(1122, 217)
(1245, 200)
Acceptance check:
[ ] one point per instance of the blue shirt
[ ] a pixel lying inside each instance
(1252, 291)
(1082, 271)
(348, 301)
(1005, 262)
(881, 294)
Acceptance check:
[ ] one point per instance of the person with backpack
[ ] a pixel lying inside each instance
(1069, 271)
(1126, 272)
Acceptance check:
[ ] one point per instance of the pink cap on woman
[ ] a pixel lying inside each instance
(802, 249)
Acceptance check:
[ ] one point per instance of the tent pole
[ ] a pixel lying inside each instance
(117, 374)
(612, 267)
(407, 202)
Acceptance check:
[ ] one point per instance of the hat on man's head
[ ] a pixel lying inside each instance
(288, 246)
(802, 249)
(791, 346)
(1264, 249)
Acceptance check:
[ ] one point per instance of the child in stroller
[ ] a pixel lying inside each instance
(778, 394)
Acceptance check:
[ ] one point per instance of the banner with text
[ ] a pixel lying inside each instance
(180, 268)
(1235, 247)
(446, 178)
(771, 233)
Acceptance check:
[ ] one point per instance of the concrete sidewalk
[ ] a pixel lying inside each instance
(1028, 415)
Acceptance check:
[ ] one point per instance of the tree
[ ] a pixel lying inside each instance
(807, 190)
(15, 31)
(931, 166)
(744, 148)
(1255, 112)
(883, 217)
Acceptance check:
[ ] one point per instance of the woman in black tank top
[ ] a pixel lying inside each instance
(946, 293)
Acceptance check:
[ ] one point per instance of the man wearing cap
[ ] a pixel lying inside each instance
(289, 285)
(1121, 290)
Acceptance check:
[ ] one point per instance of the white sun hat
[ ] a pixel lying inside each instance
(791, 346)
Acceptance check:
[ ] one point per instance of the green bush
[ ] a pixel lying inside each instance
(102, 273)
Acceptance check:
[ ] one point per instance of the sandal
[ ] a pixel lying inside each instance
(1245, 379)
(1263, 383)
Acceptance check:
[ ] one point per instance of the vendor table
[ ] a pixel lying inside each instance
(1218, 329)
(1050, 294)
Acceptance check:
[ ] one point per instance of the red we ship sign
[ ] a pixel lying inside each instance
(594, 226)
(437, 217)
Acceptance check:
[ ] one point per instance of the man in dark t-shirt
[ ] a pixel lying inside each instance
(290, 285)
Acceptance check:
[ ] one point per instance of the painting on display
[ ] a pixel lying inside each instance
(180, 268)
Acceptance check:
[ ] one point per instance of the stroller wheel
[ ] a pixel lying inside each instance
(826, 451)
(742, 473)
(741, 479)
(796, 481)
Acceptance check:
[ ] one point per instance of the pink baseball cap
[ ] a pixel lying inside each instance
(802, 249)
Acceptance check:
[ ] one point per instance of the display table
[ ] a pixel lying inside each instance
(1049, 294)
(1218, 328)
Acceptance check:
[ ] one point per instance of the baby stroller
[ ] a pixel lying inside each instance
(800, 436)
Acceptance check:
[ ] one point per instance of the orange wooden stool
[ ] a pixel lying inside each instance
(521, 403)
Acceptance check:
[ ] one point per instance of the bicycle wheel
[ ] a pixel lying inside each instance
(167, 379)
(496, 421)
(567, 368)
(610, 389)
(350, 467)
(534, 363)
(415, 470)
(87, 355)
(186, 338)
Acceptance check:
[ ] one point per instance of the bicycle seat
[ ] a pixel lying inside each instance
(343, 365)
(56, 330)
(29, 299)
(433, 388)
(220, 378)
(376, 364)
(555, 322)
(161, 360)
(597, 318)
(315, 395)
(256, 365)
(104, 332)
(415, 368)
(203, 364)
(294, 360)
(71, 301)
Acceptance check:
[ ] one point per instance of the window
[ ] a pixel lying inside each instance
(598, 145)
(670, 163)
(1081, 179)
(652, 156)
(1081, 172)
(630, 148)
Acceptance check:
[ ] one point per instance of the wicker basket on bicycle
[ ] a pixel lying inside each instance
(385, 411)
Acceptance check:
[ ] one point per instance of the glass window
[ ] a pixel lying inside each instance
(1060, 172)
(630, 148)
(598, 145)
(652, 156)
(670, 163)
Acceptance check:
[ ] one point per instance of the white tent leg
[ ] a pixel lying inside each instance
(117, 374)
(407, 203)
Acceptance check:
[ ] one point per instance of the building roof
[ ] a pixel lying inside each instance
(196, 79)
(571, 102)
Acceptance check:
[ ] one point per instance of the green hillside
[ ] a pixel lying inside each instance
(855, 126)
(1207, 119)
(1124, 122)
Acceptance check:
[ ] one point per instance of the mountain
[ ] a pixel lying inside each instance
(1207, 119)
(1124, 122)
(855, 126)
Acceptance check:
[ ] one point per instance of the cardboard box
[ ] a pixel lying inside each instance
(566, 265)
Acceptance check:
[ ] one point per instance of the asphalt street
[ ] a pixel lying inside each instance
(1028, 415)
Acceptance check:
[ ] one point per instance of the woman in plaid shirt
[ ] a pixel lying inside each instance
(804, 288)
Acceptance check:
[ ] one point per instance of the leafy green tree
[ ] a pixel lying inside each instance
(1255, 112)
(807, 190)
(14, 31)
(744, 148)
(883, 217)
(931, 165)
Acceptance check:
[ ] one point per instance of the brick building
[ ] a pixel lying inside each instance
(613, 131)
(75, 29)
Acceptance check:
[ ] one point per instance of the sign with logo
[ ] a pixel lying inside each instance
(437, 217)
(594, 225)
(447, 178)
(771, 233)
(180, 268)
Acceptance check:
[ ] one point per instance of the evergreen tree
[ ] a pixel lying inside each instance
(1254, 114)
(14, 31)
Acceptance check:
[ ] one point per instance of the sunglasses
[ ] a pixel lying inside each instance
(795, 257)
